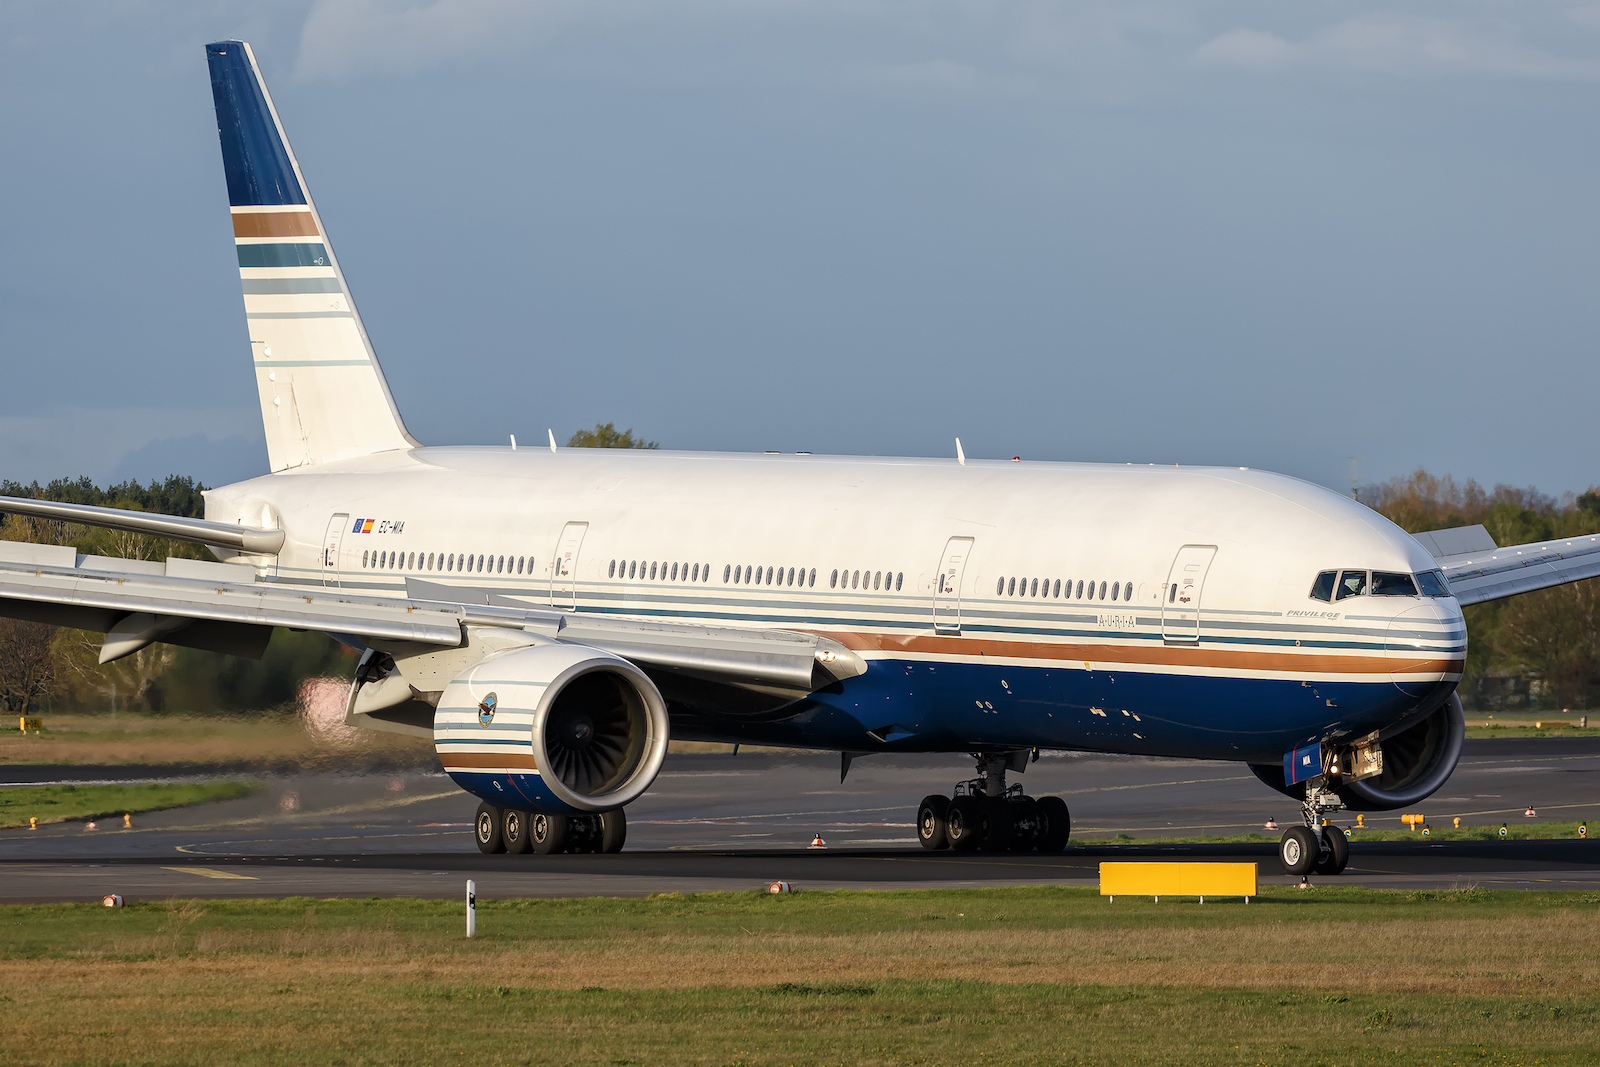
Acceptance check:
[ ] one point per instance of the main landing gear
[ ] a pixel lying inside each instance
(985, 814)
(1318, 845)
(513, 831)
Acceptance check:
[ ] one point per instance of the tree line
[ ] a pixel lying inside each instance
(1536, 651)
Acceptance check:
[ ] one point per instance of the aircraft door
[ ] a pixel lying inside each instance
(1180, 600)
(564, 567)
(947, 586)
(330, 549)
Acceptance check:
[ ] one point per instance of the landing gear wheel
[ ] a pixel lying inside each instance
(1057, 827)
(613, 830)
(1025, 824)
(486, 828)
(931, 818)
(547, 833)
(967, 823)
(1298, 850)
(1336, 851)
(1002, 826)
(514, 831)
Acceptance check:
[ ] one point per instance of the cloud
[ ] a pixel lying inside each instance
(219, 444)
(351, 37)
(1401, 45)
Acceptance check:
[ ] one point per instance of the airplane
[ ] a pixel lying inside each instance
(550, 617)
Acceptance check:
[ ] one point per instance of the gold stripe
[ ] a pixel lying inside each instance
(468, 761)
(286, 224)
(1164, 655)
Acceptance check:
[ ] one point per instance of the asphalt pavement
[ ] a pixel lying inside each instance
(719, 822)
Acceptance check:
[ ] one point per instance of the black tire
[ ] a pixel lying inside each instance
(1057, 824)
(547, 833)
(514, 831)
(931, 816)
(1002, 828)
(1298, 850)
(1335, 853)
(486, 828)
(967, 823)
(613, 831)
(1025, 824)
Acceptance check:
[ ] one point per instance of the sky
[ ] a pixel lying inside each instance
(1337, 240)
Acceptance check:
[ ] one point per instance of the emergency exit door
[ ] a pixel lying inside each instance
(947, 586)
(564, 566)
(330, 549)
(1180, 600)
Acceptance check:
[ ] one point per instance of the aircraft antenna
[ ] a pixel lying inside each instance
(961, 457)
(552, 434)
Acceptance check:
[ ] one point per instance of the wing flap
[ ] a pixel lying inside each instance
(95, 589)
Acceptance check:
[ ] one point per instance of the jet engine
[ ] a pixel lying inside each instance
(1418, 758)
(563, 729)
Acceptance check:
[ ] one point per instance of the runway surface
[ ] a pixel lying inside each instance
(737, 822)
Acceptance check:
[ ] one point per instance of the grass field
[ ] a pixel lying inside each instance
(1003, 976)
(126, 738)
(1480, 724)
(61, 803)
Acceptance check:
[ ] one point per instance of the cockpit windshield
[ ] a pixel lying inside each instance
(1390, 583)
(1351, 583)
(1341, 585)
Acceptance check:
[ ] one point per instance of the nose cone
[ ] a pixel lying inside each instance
(1426, 647)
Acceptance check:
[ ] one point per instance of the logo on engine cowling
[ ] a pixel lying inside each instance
(486, 708)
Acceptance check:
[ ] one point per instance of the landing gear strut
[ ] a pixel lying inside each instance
(987, 814)
(1318, 845)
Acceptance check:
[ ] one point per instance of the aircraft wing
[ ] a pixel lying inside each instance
(221, 607)
(1477, 570)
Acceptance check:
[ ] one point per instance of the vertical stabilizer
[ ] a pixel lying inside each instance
(323, 396)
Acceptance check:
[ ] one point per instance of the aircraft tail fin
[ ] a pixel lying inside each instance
(323, 395)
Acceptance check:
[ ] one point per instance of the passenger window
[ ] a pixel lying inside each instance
(833, 580)
(652, 570)
(519, 564)
(1116, 591)
(1433, 584)
(855, 579)
(899, 580)
(1352, 583)
(1011, 587)
(1322, 588)
(727, 569)
(1389, 583)
(674, 572)
(1127, 591)
(1057, 593)
(813, 579)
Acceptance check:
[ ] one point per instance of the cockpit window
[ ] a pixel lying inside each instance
(1352, 583)
(1322, 588)
(1388, 583)
(1433, 584)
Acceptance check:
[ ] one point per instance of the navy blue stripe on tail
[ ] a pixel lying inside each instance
(254, 156)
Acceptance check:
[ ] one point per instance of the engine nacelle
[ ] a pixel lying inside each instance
(1417, 760)
(563, 729)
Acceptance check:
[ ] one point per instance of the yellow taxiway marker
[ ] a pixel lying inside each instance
(207, 872)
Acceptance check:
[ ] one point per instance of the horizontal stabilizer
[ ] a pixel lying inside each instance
(198, 531)
(1456, 541)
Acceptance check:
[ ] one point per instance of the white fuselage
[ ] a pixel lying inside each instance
(1058, 627)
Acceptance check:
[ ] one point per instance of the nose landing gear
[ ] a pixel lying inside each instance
(1322, 848)
(985, 813)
